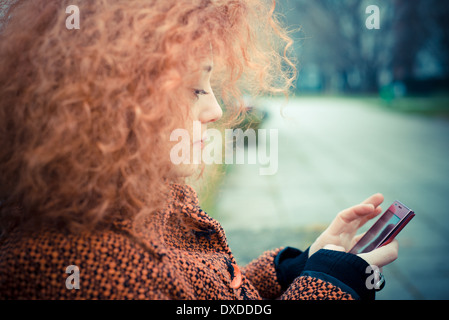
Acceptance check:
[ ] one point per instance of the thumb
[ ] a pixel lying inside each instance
(383, 255)
(333, 247)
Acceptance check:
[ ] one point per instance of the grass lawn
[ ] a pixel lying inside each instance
(435, 106)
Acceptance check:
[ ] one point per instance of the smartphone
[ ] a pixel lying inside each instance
(385, 229)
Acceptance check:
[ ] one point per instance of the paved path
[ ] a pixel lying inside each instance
(334, 153)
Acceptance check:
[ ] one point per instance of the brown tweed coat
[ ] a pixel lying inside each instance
(167, 261)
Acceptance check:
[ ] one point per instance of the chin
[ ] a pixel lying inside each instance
(185, 170)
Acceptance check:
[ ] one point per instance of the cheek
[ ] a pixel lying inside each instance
(195, 110)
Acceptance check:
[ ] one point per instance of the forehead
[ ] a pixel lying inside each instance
(201, 62)
(205, 56)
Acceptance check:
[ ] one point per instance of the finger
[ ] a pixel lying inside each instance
(351, 219)
(356, 212)
(383, 255)
(334, 247)
(357, 239)
(376, 200)
(378, 210)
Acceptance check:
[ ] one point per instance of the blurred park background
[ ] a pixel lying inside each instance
(370, 113)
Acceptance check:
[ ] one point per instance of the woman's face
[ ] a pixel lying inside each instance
(204, 111)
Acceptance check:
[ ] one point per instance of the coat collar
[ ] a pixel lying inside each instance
(182, 209)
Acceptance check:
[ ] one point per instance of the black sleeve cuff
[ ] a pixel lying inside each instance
(289, 264)
(345, 267)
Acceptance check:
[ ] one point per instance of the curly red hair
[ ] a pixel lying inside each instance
(85, 115)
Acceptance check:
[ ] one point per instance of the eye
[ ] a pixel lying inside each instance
(199, 92)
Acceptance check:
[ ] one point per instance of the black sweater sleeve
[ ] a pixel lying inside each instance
(339, 268)
(289, 264)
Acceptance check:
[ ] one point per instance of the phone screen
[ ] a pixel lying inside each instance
(383, 228)
(380, 230)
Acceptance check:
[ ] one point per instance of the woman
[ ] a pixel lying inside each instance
(92, 207)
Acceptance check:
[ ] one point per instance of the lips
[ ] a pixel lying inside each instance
(201, 142)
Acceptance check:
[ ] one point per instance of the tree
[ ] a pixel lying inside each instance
(336, 38)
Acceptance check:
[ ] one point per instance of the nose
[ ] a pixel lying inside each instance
(211, 110)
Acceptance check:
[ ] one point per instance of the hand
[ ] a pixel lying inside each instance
(340, 235)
